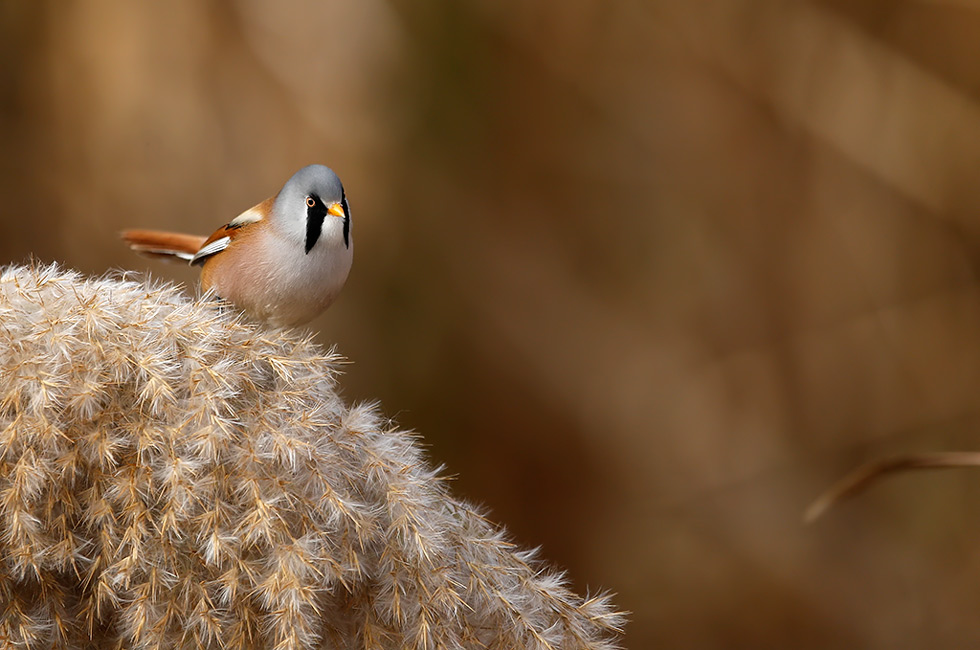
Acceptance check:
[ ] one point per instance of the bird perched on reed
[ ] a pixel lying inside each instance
(282, 261)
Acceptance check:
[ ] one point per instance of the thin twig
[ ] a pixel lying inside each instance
(858, 480)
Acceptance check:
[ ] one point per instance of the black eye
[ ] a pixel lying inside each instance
(310, 202)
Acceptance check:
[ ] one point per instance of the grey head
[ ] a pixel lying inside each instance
(312, 207)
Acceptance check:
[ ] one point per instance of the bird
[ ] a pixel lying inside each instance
(281, 262)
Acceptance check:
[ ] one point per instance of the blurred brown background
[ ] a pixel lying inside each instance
(646, 275)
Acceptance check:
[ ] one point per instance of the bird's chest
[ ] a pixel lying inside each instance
(273, 282)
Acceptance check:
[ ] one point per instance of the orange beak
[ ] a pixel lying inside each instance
(336, 210)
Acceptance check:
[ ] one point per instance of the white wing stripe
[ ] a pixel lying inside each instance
(251, 215)
(216, 246)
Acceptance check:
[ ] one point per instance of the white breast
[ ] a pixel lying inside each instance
(276, 282)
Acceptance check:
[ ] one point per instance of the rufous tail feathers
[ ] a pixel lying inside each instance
(166, 245)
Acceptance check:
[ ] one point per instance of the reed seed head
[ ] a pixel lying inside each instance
(171, 476)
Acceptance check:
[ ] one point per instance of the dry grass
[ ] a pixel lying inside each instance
(173, 477)
(869, 473)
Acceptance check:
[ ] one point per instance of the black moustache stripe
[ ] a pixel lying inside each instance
(346, 208)
(315, 215)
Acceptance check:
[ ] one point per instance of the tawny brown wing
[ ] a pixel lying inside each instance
(220, 238)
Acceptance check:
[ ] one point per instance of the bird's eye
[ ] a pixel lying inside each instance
(310, 202)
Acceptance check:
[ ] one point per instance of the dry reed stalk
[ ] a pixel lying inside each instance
(864, 476)
(173, 477)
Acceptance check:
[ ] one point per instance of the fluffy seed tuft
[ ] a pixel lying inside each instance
(173, 477)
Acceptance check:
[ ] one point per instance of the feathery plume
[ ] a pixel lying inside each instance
(172, 477)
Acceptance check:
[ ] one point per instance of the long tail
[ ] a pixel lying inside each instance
(166, 245)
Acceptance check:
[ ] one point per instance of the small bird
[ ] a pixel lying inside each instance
(281, 262)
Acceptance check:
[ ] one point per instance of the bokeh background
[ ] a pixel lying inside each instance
(646, 275)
